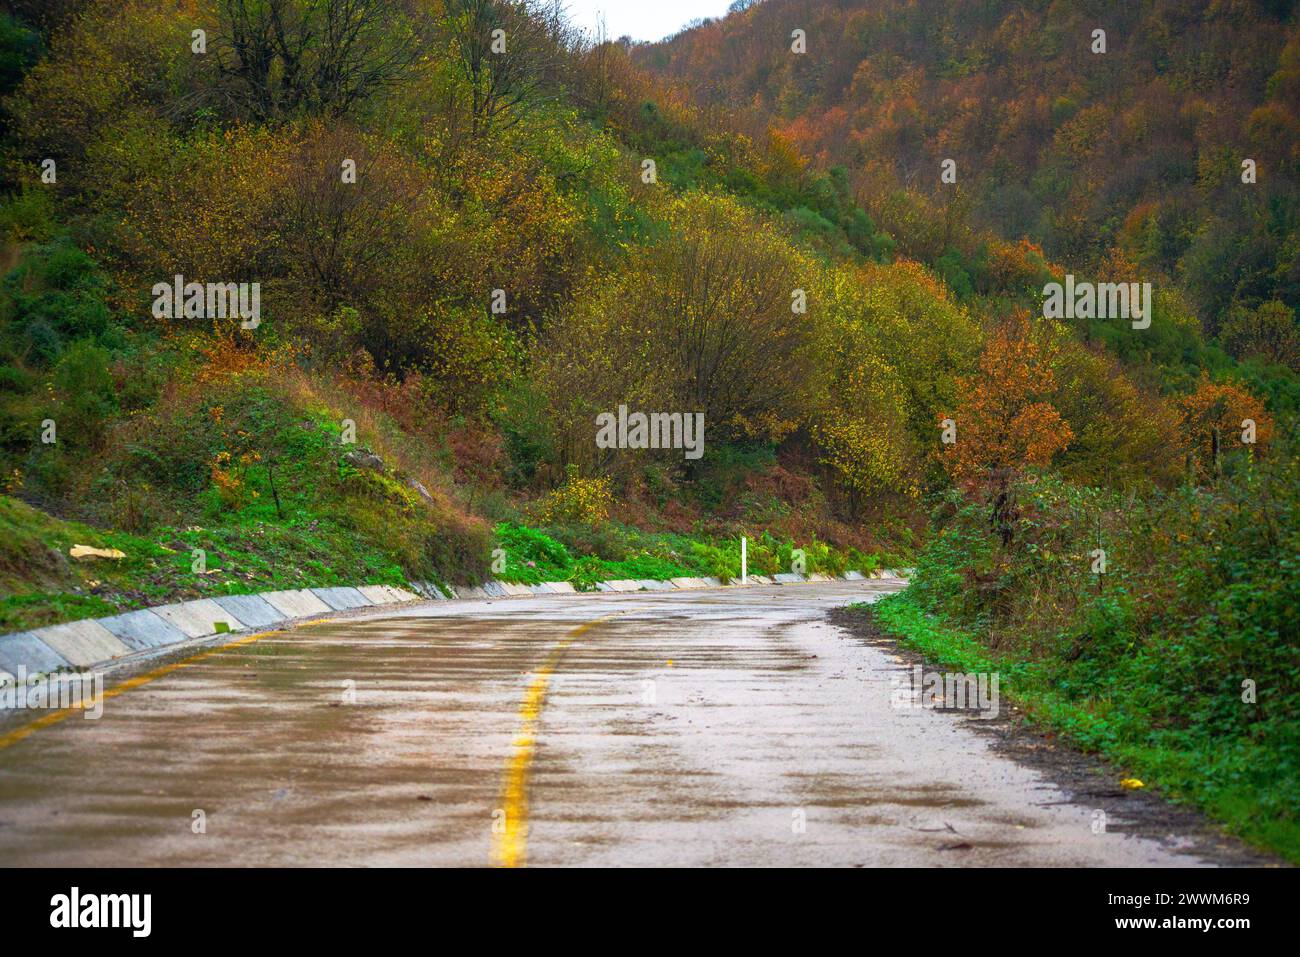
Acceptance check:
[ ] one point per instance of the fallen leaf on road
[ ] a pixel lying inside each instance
(1131, 783)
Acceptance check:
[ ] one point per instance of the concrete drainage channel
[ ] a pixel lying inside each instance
(92, 642)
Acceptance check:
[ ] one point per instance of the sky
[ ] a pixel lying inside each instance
(642, 19)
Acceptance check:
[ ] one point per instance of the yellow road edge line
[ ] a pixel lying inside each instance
(54, 717)
(510, 842)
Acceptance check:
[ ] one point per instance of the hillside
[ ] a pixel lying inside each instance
(378, 338)
(1119, 148)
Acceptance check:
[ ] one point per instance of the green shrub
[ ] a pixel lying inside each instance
(520, 413)
(28, 216)
(55, 295)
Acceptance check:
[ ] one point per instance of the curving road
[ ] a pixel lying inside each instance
(723, 727)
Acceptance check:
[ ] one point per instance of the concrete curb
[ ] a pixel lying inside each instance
(252, 610)
(82, 643)
(98, 641)
(142, 630)
(688, 583)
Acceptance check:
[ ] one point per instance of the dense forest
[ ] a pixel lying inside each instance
(1109, 136)
(828, 228)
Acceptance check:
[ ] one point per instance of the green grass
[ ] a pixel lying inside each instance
(34, 609)
(43, 586)
(585, 555)
(1239, 781)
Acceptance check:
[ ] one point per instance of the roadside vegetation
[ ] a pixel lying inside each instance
(1180, 662)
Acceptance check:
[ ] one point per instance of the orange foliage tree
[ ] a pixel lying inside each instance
(1217, 418)
(1003, 421)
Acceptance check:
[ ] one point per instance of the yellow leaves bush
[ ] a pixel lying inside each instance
(385, 265)
(864, 459)
(115, 58)
(232, 492)
(889, 343)
(1268, 332)
(207, 213)
(900, 315)
(1123, 434)
(697, 320)
(585, 500)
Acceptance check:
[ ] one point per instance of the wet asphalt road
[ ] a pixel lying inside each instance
(721, 727)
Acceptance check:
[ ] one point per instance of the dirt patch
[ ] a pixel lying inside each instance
(1087, 779)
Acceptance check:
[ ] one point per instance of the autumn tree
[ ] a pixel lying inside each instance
(890, 343)
(510, 52)
(1004, 421)
(107, 64)
(862, 437)
(350, 231)
(204, 210)
(698, 320)
(1268, 332)
(1218, 418)
(285, 58)
(1125, 434)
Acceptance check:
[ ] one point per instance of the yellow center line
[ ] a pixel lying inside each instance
(510, 839)
(54, 717)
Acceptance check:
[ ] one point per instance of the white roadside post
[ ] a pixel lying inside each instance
(744, 564)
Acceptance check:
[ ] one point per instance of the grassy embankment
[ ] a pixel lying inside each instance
(1180, 663)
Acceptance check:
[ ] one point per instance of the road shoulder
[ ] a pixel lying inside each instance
(1087, 779)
